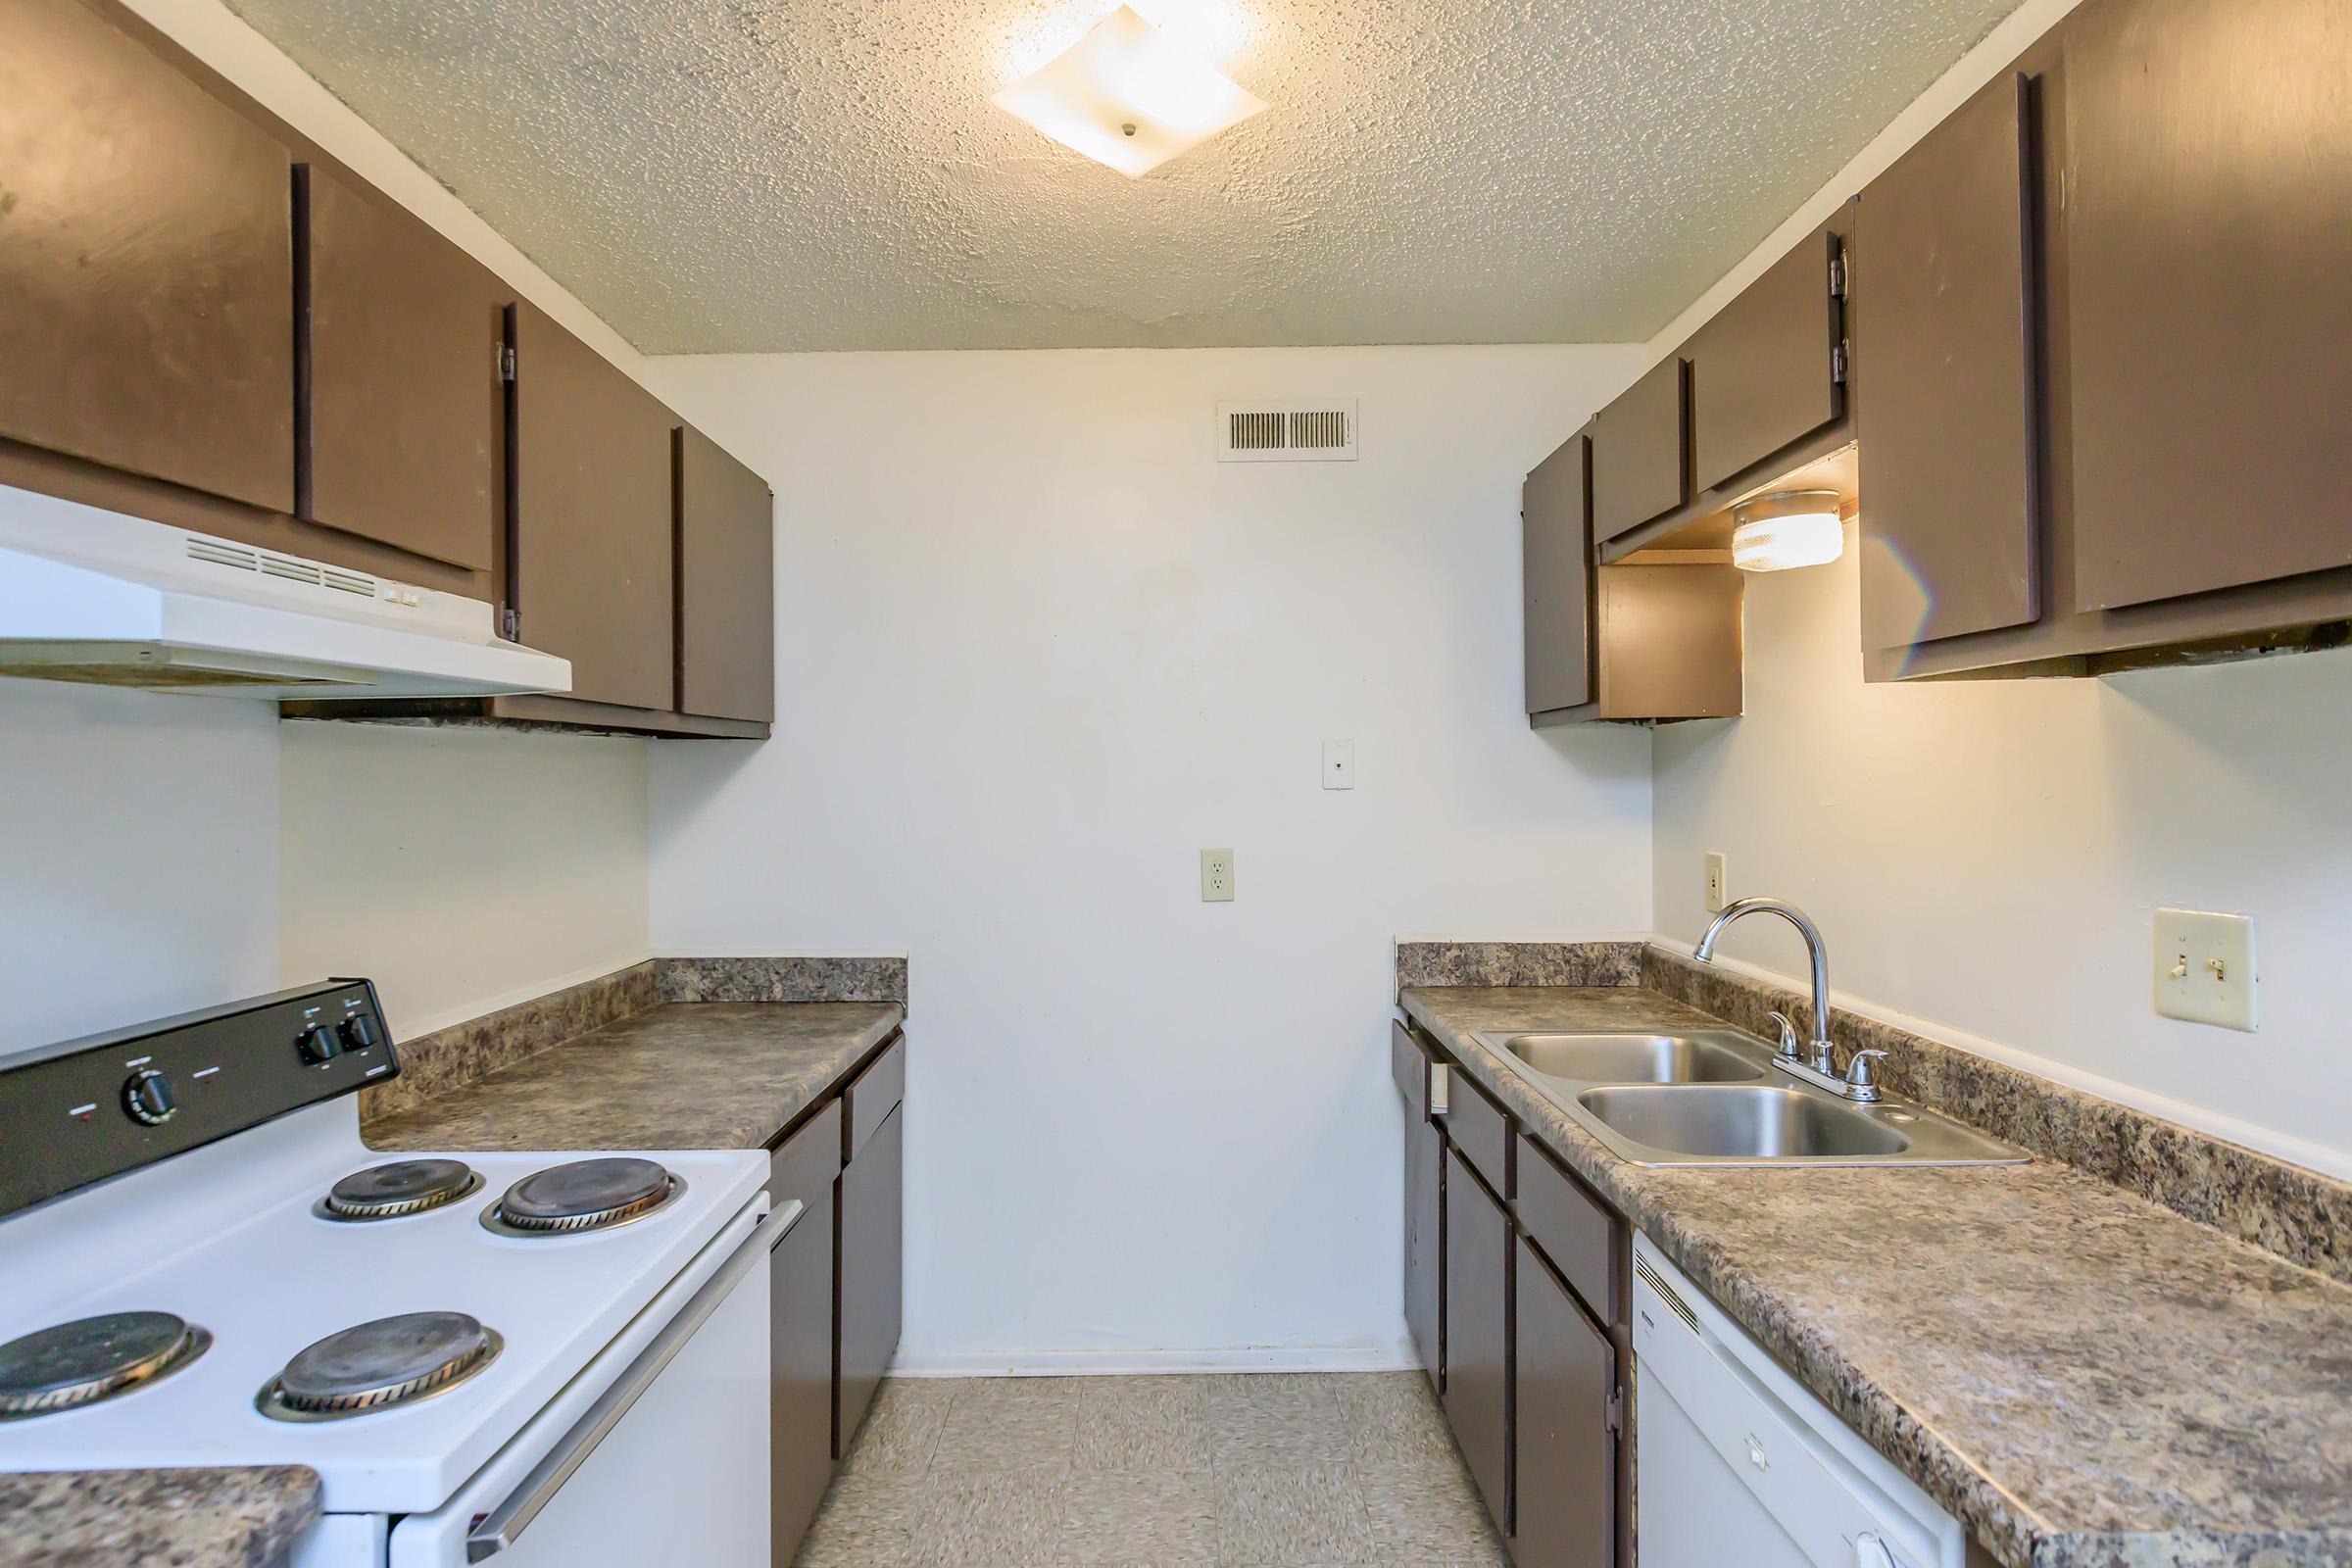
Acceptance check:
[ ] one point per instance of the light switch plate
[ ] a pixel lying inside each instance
(1338, 765)
(1715, 882)
(2205, 967)
(1216, 876)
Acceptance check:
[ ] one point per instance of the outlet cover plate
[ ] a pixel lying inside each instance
(2204, 966)
(1216, 876)
(1716, 899)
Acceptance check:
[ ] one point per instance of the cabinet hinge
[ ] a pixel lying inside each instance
(1617, 1410)
(510, 624)
(1838, 274)
(506, 362)
(1837, 364)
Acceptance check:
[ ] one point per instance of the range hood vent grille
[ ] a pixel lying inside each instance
(212, 552)
(1321, 430)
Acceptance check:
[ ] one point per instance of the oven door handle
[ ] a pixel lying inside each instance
(504, 1525)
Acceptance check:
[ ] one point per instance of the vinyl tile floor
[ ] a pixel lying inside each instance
(1263, 1470)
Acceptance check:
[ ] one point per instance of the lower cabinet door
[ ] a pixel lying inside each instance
(1563, 1377)
(1478, 1358)
(800, 1353)
(872, 1238)
(1424, 1244)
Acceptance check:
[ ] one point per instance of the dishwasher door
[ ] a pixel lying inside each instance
(1738, 1463)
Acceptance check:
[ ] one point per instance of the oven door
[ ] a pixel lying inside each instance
(663, 1459)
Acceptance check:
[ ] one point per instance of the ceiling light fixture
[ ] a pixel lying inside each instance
(1786, 528)
(1128, 95)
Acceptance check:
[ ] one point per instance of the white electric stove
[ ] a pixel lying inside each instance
(205, 1266)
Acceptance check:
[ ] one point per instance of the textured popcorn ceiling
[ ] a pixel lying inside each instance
(736, 175)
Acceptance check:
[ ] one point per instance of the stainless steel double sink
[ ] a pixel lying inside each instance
(1712, 1097)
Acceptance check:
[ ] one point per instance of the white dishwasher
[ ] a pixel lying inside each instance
(1738, 1464)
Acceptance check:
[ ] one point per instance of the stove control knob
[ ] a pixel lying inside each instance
(359, 1032)
(318, 1045)
(148, 1097)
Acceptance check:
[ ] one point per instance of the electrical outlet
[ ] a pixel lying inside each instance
(2205, 967)
(1338, 765)
(1715, 882)
(1216, 876)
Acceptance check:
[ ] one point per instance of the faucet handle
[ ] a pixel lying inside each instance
(1787, 1035)
(1860, 1083)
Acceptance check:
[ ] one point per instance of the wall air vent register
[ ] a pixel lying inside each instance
(1265, 430)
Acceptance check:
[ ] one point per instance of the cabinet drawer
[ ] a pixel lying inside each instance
(872, 1096)
(1573, 1228)
(805, 1164)
(1410, 1067)
(1478, 1128)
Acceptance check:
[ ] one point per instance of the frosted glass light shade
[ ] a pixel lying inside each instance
(1128, 95)
(1793, 528)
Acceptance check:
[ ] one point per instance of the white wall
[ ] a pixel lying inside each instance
(1987, 856)
(1037, 649)
(138, 865)
(460, 869)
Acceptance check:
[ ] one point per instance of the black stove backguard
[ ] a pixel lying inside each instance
(79, 1112)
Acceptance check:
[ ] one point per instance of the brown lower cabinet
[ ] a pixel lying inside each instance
(1477, 1333)
(1424, 1210)
(799, 1367)
(1536, 1339)
(870, 1232)
(1564, 1397)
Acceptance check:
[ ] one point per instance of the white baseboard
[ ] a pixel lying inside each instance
(1397, 1357)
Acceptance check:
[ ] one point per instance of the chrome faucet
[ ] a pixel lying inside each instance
(1822, 1064)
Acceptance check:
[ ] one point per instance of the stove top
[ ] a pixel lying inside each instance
(394, 1355)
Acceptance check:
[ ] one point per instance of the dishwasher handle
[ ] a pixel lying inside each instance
(504, 1525)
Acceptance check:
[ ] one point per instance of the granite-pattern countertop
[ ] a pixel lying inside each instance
(2084, 1379)
(227, 1518)
(680, 1075)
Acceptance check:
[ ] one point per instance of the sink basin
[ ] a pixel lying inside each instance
(1711, 1096)
(1758, 1122)
(1634, 1059)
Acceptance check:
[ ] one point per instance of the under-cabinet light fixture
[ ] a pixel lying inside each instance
(1129, 96)
(1786, 528)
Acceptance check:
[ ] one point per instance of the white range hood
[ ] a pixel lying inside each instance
(94, 597)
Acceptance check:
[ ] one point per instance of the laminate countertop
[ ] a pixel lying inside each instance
(227, 1518)
(680, 1075)
(2084, 1379)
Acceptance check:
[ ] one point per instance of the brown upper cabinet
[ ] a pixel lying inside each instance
(1951, 449)
(2155, 465)
(1769, 368)
(146, 263)
(2208, 301)
(1633, 642)
(1641, 453)
(591, 570)
(727, 584)
(404, 334)
(1557, 579)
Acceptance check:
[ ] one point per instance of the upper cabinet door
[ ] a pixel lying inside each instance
(1763, 371)
(591, 575)
(404, 333)
(146, 264)
(1638, 453)
(1949, 438)
(727, 584)
(2207, 198)
(1556, 580)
